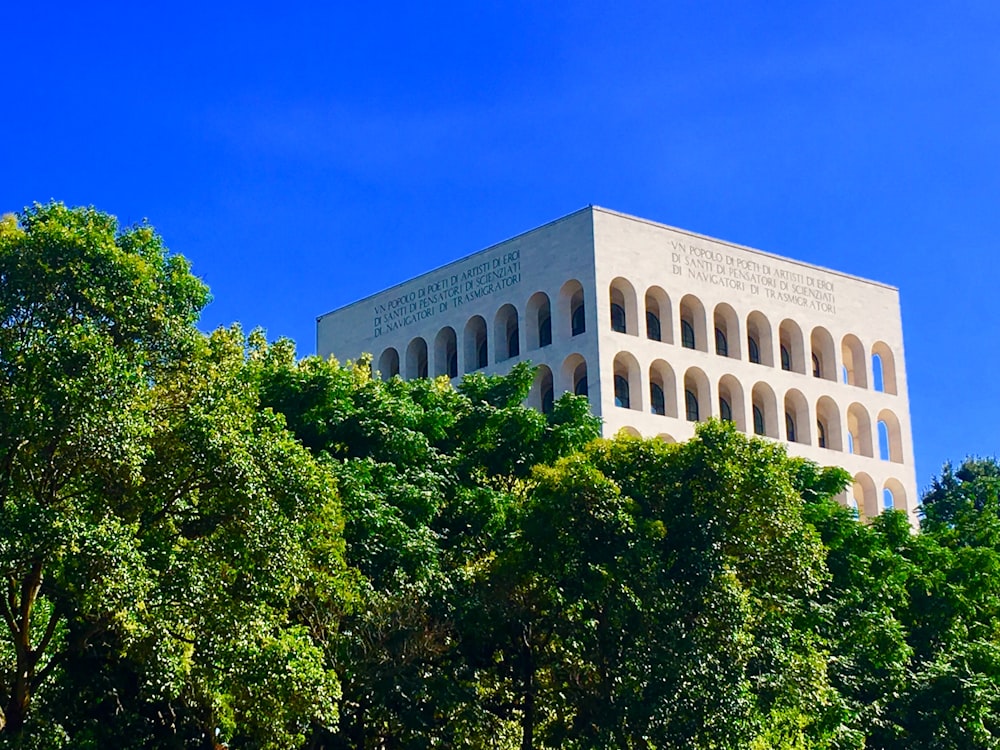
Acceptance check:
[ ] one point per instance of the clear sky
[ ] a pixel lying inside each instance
(303, 155)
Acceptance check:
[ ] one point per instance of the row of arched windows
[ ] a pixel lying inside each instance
(761, 347)
(863, 496)
(443, 358)
(448, 358)
(823, 424)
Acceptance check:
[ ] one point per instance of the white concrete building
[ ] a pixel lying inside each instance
(662, 327)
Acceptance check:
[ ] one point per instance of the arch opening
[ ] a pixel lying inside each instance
(732, 403)
(727, 331)
(659, 319)
(886, 377)
(798, 424)
(446, 352)
(661, 376)
(388, 363)
(477, 352)
(854, 362)
(624, 309)
(697, 396)
(627, 382)
(859, 429)
(693, 333)
(764, 410)
(506, 334)
(760, 347)
(538, 321)
(792, 350)
(416, 359)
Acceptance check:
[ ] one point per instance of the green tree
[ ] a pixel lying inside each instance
(152, 511)
(430, 478)
(657, 593)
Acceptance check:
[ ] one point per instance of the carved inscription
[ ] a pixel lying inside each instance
(757, 277)
(477, 280)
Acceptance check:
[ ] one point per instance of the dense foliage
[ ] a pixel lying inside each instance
(205, 540)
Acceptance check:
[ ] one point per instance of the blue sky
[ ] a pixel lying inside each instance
(303, 155)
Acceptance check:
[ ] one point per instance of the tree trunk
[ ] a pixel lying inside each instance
(17, 612)
(528, 687)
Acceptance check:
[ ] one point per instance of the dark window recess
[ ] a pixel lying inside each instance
(691, 406)
(656, 400)
(621, 392)
(721, 345)
(545, 331)
(653, 327)
(687, 335)
(578, 321)
(617, 318)
(725, 410)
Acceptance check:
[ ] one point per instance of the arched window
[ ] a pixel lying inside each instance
(662, 389)
(754, 349)
(821, 433)
(855, 365)
(687, 335)
(621, 391)
(884, 375)
(653, 327)
(691, 404)
(786, 358)
(822, 349)
(542, 395)
(388, 363)
(537, 321)
(721, 345)
(617, 318)
(888, 501)
(579, 320)
(732, 405)
(659, 321)
(725, 410)
(758, 421)
(883, 440)
(545, 329)
(446, 353)
(573, 376)
(508, 333)
(789, 428)
(416, 359)
(476, 344)
(657, 401)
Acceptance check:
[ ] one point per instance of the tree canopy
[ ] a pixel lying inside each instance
(208, 541)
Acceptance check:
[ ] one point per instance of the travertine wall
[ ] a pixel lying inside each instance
(810, 326)
(807, 310)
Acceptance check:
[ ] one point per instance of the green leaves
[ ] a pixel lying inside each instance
(151, 510)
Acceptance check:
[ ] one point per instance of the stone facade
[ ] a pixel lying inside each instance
(661, 327)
